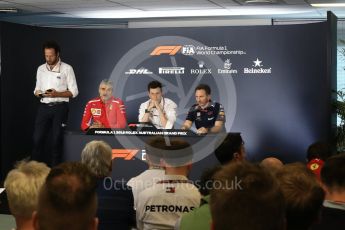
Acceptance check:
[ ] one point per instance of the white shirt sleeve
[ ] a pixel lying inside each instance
(142, 109)
(170, 112)
(71, 82)
(38, 82)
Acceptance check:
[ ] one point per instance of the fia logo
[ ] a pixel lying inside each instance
(188, 50)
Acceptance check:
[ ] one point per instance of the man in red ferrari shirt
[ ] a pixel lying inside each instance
(104, 111)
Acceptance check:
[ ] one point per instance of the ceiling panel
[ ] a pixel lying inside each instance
(5, 4)
(171, 5)
(54, 1)
(325, 1)
(297, 2)
(225, 2)
(69, 4)
(67, 10)
(162, 1)
(45, 9)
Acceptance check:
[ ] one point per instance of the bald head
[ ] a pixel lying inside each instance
(272, 164)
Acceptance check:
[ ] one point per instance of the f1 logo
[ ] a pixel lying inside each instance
(171, 50)
(126, 154)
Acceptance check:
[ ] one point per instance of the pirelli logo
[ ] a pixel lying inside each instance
(170, 50)
(126, 154)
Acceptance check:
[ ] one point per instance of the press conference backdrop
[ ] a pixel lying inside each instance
(271, 79)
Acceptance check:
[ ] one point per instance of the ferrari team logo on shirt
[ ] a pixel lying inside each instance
(96, 112)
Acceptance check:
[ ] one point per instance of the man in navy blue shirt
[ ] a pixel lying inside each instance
(208, 116)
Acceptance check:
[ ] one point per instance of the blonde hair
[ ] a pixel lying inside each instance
(23, 184)
(97, 156)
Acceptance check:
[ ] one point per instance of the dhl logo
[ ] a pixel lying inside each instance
(126, 154)
(171, 50)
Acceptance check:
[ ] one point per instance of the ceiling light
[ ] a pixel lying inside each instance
(328, 4)
(8, 10)
(259, 2)
(240, 11)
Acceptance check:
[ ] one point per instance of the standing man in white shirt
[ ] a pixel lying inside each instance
(55, 84)
(158, 110)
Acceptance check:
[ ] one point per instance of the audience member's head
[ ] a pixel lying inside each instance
(303, 195)
(272, 164)
(315, 166)
(320, 150)
(67, 199)
(206, 180)
(153, 151)
(317, 153)
(22, 187)
(97, 156)
(176, 154)
(246, 197)
(232, 148)
(333, 178)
